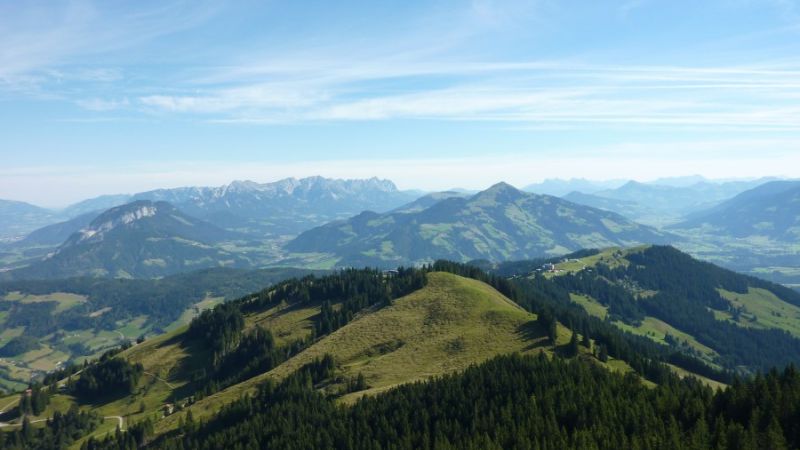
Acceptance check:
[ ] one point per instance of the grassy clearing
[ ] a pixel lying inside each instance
(592, 306)
(612, 257)
(10, 333)
(650, 327)
(65, 300)
(762, 309)
(194, 311)
(683, 373)
(657, 330)
(286, 323)
(133, 328)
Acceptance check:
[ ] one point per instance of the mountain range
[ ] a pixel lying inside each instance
(370, 221)
(286, 206)
(500, 223)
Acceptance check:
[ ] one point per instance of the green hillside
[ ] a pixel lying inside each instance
(358, 334)
(500, 223)
(446, 326)
(449, 324)
(730, 320)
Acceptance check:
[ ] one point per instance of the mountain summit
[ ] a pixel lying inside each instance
(139, 239)
(499, 223)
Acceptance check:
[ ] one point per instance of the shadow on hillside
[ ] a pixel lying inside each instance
(193, 367)
(533, 333)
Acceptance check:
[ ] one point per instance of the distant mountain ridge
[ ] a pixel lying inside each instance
(19, 218)
(559, 187)
(659, 204)
(287, 206)
(771, 210)
(141, 239)
(284, 207)
(499, 223)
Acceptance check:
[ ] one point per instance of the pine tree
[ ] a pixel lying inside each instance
(603, 353)
(573, 350)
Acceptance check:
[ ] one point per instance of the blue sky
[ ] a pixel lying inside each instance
(116, 96)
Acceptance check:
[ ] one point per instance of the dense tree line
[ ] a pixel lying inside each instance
(18, 346)
(58, 432)
(366, 288)
(36, 317)
(137, 436)
(219, 328)
(256, 353)
(35, 401)
(343, 287)
(511, 402)
(109, 376)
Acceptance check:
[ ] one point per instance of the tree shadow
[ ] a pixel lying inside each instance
(533, 333)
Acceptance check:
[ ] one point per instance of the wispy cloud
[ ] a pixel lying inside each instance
(420, 71)
(99, 104)
(38, 38)
(569, 94)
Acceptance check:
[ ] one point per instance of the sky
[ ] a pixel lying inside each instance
(101, 97)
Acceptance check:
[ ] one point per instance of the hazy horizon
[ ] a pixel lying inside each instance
(99, 97)
(665, 181)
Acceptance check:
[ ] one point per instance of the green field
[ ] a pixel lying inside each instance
(592, 306)
(650, 327)
(762, 309)
(63, 299)
(657, 330)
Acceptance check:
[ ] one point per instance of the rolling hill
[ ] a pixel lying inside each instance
(444, 327)
(139, 239)
(364, 334)
(499, 223)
